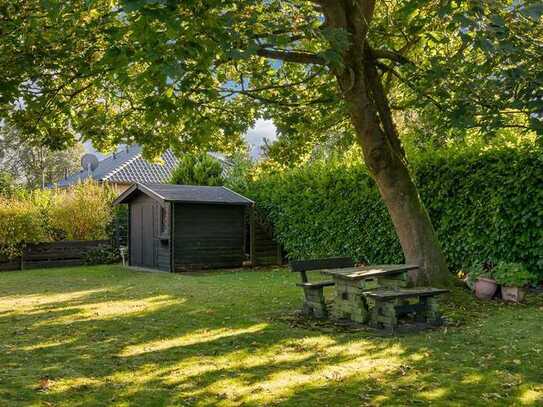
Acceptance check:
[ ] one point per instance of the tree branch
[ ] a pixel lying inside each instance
(292, 56)
(286, 104)
(390, 55)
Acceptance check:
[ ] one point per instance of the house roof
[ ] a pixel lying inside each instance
(128, 166)
(185, 194)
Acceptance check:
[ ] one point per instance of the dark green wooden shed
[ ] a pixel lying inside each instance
(185, 227)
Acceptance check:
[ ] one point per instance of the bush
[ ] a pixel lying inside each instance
(102, 255)
(7, 184)
(198, 169)
(20, 224)
(484, 205)
(83, 212)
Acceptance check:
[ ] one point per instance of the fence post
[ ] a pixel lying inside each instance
(252, 235)
(117, 232)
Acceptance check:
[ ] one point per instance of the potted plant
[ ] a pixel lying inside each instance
(513, 277)
(480, 279)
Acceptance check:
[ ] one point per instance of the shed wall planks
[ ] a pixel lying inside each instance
(208, 236)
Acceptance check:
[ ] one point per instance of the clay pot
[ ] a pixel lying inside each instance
(485, 288)
(513, 294)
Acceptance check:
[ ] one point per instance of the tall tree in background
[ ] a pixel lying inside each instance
(33, 165)
(198, 169)
(183, 73)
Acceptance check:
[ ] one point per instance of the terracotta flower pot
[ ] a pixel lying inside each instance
(485, 288)
(513, 294)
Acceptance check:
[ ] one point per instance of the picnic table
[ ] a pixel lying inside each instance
(377, 294)
(352, 283)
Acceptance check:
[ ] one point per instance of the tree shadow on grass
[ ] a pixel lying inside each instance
(180, 341)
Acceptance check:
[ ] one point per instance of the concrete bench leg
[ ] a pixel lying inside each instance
(431, 313)
(384, 315)
(314, 304)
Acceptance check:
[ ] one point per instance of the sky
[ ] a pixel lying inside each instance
(255, 138)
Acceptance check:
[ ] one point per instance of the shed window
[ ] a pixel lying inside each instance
(163, 219)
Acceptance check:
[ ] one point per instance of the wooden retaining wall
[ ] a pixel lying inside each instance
(53, 254)
(266, 250)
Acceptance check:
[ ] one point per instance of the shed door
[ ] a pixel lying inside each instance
(142, 236)
(148, 237)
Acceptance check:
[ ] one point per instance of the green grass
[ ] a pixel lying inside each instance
(108, 336)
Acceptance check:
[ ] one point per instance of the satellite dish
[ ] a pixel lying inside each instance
(89, 162)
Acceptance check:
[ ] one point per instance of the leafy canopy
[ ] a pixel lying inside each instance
(198, 73)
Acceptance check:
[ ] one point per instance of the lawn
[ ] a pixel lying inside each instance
(107, 336)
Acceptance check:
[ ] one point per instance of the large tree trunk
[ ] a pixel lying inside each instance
(368, 107)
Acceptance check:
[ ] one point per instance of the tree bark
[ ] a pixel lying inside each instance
(361, 87)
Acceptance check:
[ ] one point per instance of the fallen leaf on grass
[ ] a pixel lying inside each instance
(44, 384)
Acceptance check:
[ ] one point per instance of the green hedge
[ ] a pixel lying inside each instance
(484, 205)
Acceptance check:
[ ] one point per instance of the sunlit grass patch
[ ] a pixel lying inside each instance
(108, 336)
(190, 339)
(532, 396)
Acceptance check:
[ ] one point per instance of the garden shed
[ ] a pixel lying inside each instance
(185, 227)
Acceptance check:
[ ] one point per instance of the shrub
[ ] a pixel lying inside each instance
(513, 274)
(7, 184)
(83, 212)
(20, 224)
(102, 255)
(198, 169)
(483, 204)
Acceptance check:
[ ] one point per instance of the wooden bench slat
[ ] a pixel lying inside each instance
(405, 293)
(317, 264)
(316, 284)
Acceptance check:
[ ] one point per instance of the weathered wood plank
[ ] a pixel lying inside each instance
(327, 283)
(405, 293)
(317, 264)
(53, 254)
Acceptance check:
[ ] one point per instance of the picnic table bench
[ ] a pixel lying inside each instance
(388, 305)
(314, 303)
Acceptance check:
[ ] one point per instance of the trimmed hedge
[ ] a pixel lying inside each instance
(484, 205)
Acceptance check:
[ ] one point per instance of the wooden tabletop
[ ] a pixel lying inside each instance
(360, 273)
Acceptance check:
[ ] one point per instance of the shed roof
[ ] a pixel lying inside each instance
(185, 194)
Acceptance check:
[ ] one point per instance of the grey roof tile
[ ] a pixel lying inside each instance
(186, 194)
(197, 193)
(137, 169)
(126, 166)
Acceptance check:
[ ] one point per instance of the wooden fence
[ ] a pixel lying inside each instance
(53, 254)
